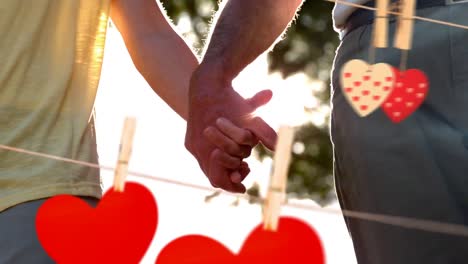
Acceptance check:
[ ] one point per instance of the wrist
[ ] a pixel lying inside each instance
(219, 67)
(208, 82)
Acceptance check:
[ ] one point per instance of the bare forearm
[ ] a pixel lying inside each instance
(167, 63)
(158, 52)
(244, 30)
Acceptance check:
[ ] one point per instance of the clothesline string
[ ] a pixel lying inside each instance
(405, 222)
(440, 22)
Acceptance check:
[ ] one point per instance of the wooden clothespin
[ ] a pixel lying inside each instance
(404, 33)
(277, 190)
(381, 24)
(125, 151)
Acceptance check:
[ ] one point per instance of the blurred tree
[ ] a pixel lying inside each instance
(308, 47)
(310, 172)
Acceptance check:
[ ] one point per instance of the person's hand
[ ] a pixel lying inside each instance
(210, 98)
(236, 142)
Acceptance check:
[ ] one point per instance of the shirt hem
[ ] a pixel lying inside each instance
(81, 189)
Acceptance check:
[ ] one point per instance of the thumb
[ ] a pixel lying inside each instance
(263, 131)
(261, 98)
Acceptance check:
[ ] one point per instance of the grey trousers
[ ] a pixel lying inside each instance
(417, 168)
(18, 240)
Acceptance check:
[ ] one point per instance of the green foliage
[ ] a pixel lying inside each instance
(310, 43)
(308, 47)
(310, 171)
(200, 13)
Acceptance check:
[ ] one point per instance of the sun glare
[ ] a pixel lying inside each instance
(291, 96)
(98, 51)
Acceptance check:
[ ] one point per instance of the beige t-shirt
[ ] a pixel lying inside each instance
(342, 12)
(51, 54)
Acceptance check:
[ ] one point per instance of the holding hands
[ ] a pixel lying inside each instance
(244, 30)
(221, 129)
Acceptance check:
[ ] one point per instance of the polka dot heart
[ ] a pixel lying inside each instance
(366, 86)
(410, 91)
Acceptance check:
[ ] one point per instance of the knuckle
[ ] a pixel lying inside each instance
(232, 149)
(230, 162)
(245, 136)
(256, 119)
(248, 152)
(221, 122)
(208, 132)
(227, 146)
(224, 145)
(234, 162)
(245, 152)
(216, 154)
(248, 138)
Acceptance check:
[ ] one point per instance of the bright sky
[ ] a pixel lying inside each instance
(159, 150)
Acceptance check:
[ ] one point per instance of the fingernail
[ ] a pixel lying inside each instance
(221, 121)
(236, 178)
(207, 131)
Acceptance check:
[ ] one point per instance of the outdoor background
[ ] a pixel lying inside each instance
(298, 73)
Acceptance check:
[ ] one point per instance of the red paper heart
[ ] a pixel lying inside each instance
(118, 230)
(293, 242)
(411, 88)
